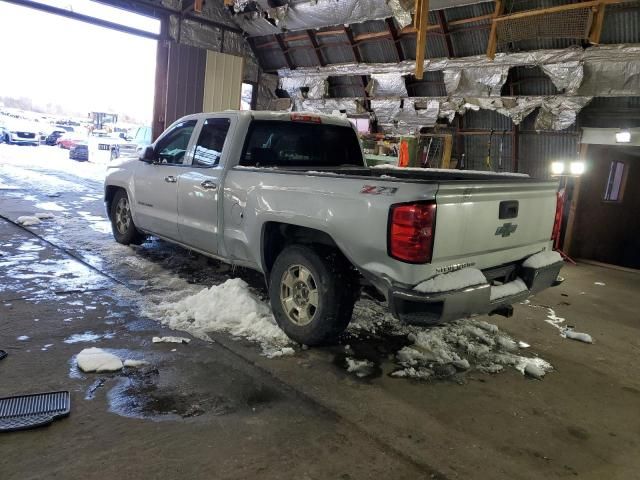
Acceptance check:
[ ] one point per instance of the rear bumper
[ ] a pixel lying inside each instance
(414, 307)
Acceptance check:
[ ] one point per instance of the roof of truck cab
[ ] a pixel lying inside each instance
(280, 116)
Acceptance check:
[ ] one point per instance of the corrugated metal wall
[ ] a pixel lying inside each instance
(185, 81)
(222, 82)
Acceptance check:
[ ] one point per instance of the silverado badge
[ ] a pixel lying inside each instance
(506, 229)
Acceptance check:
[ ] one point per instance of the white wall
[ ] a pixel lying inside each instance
(222, 82)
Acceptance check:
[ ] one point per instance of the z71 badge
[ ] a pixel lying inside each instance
(376, 190)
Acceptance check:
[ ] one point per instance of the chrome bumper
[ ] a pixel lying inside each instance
(414, 307)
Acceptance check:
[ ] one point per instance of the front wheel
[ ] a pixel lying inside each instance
(312, 296)
(122, 226)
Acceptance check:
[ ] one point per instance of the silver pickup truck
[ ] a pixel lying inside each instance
(289, 195)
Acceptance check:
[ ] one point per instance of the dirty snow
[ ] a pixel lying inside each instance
(44, 216)
(558, 322)
(445, 282)
(135, 363)
(361, 368)
(97, 360)
(463, 344)
(542, 259)
(28, 220)
(229, 307)
(170, 340)
(508, 289)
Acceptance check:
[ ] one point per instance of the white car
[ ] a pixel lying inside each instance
(20, 132)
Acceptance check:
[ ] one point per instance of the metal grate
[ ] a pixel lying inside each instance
(28, 411)
(574, 23)
(432, 151)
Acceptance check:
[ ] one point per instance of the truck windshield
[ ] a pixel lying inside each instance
(297, 144)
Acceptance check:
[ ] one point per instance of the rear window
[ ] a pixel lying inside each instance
(297, 144)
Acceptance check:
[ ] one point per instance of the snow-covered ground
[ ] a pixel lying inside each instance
(33, 163)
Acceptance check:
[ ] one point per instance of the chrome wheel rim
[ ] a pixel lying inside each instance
(299, 295)
(123, 216)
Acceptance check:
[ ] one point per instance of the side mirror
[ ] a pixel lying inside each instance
(148, 154)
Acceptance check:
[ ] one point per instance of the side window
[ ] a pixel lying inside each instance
(210, 142)
(614, 189)
(173, 146)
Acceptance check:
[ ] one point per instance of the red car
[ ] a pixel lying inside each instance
(69, 140)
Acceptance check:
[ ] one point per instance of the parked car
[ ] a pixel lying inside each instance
(69, 140)
(80, 152)
(53, 137)
(289, 195)
(20, 132)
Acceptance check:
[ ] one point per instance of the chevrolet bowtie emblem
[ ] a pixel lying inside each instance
(506, 229)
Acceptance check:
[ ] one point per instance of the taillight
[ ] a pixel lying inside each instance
(557, 221)
(411, 232)
(305, 117)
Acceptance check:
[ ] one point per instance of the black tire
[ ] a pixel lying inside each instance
(125, 232)
(336, 287)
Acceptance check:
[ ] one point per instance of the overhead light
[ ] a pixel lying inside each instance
(623, 136)
(576, 168)
(557, 168)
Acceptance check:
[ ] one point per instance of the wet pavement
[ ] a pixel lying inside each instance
(221, 409)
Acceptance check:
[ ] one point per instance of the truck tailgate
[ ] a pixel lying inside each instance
(477, 219)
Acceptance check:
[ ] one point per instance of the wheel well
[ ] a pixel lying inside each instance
(109, 193)
(276, 236)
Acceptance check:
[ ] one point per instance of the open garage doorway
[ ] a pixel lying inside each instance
(79, 84)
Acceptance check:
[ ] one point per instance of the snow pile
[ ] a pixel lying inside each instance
(542, 259)
(361, 368)
(508, 289)
(28, 220)
(229, 307)
(452, 281)
(97, 360)
(461, 345)
(600, 284)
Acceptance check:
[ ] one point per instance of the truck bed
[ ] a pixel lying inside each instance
(417, 175)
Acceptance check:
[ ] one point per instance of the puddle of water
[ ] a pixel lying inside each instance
(31, 246)
(206, 389)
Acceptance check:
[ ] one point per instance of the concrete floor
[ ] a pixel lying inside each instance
(221, 410)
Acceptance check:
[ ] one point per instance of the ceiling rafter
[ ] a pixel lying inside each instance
(316, 47)
(442, 22)
(393, 31)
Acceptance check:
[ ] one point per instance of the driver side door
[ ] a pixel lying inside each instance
(156, 184)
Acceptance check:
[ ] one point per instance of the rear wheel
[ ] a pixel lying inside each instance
(312, 295)
(122, 226)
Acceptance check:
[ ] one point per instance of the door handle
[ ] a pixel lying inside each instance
(209, 185)
(170, 179)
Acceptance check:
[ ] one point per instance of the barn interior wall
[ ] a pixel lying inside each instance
(608, 231)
